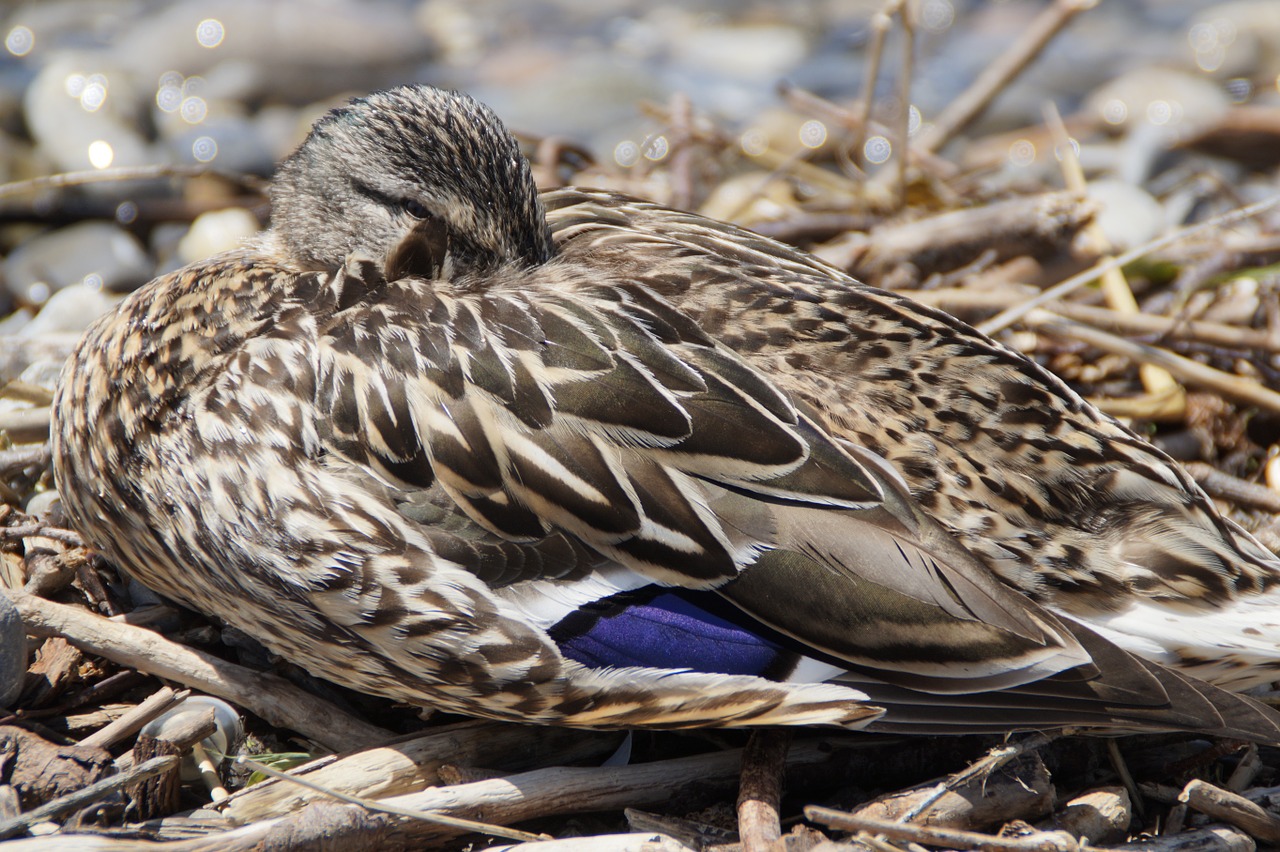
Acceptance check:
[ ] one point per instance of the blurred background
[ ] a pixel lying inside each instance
(233, 84)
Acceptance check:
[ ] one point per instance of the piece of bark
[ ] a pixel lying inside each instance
(1098, 816)
(56, 668)
(84, 797)
(1021, 790)
(42, 771)
(158, 795)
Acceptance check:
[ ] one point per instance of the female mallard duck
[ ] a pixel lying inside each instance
(625, 466)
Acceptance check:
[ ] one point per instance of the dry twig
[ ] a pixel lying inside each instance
(274, 699)
(1234, 489)
(1008, 317)
(1192, 372)
(970, 104)
(127, 173)
(1044, 841)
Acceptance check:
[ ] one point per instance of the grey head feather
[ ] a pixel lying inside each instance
(372, 172)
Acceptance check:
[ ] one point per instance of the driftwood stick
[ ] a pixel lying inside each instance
(805, 101)
(71, 538)
(26, 425)
(1173, 328)
(1246, 770)
(964, 301)
(880, 24)
(1098, 816)
(906, 16)
(273, 698)
(600, 843)
(561, 790)
(359, 830)
(462, 825)
(132, 722)
(760, 790)
(1232, 808)
(690, 832)
(412, 763)
(980, 800)
(979, 771)
(14, 460)
(1044, 841)
(1035, 225)
(1115, 286)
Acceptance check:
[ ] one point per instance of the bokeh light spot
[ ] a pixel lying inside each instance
(100, 154)
(20, 41)
(210, 32)
(877, 150)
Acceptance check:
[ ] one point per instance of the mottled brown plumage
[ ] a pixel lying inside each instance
(584, 460)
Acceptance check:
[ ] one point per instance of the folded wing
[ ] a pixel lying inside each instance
(636, 490)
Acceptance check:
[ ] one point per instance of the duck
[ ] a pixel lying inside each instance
(575, 458)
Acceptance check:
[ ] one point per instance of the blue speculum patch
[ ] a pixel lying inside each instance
(663, 629)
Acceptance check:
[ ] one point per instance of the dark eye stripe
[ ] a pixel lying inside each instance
(412, 206)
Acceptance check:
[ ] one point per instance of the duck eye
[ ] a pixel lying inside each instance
(416, 208)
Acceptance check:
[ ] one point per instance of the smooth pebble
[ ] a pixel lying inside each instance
(217, 231)
(76, 254)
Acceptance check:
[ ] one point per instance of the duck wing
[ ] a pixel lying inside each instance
(596, 416)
